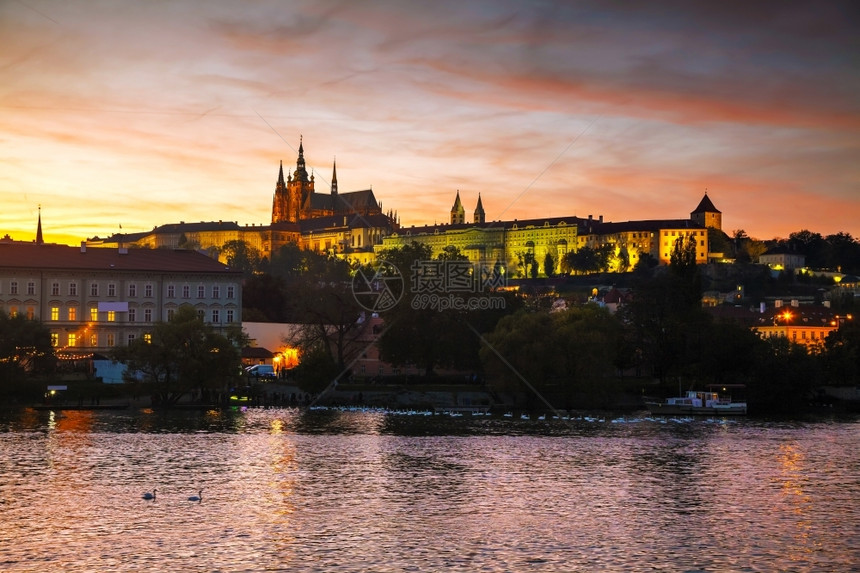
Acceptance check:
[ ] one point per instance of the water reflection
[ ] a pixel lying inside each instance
(356, 491)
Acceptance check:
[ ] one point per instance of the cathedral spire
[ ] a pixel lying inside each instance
(281, 174)
(479, 211)
(458, 213)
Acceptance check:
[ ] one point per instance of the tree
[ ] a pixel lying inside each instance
(240, 256)
(25, 346)
(184, 355)
(549, 264)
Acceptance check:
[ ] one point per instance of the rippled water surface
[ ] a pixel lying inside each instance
(289, 490)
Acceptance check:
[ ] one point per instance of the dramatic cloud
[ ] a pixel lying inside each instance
(145, 113)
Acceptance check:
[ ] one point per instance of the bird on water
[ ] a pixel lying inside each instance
(149, 495)
(198, 497)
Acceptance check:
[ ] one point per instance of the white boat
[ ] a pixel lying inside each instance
(699, 402)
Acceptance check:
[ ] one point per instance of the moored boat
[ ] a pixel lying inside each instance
(698, 402)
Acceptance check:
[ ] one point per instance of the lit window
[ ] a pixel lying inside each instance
(94, 339)
(94, 313)
(111, 289)
(111, 316)
(55, 313)
(73, 313)
(147, 338)
(73, 289)
(94, 289)
(13, 311)
(110, 339)
(73, 339)
(31, 313)
(55, 339)
(55, 289)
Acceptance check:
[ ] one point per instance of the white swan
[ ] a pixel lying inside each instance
(149, 495)
(198, 497)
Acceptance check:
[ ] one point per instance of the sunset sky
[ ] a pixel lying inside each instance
(146, 113)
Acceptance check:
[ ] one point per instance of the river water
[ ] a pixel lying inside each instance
(332, 490)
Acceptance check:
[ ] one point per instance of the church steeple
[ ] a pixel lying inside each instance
(706, 214)
(281, 175)
(479, 211)
(458, 213)
(39, 239)
(301, 174)
(334, 177)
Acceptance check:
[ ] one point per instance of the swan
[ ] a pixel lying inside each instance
(149, 495)
(198, 497)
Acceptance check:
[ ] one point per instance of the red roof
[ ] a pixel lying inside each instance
(42, 256)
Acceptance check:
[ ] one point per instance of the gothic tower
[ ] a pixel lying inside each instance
(334, 202)
(300, 188)
(280, 199)
(479, 211)
(458, 213)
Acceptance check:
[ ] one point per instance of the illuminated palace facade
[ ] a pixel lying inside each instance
(505, 242)
(346, 225)
(92, 299)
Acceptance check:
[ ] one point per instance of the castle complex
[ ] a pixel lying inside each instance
(352, 225)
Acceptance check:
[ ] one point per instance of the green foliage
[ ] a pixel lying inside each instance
(25, 346)
(316, 371)
(562, 357)
(549, 265)
(241, 256)
(184, 355)
(587, 260)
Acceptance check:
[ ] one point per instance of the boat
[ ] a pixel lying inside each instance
(699, 402)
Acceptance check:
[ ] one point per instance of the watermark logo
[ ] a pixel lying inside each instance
(379, 288)
(434, 284)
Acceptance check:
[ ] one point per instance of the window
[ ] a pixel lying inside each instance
(73, 340)
(94, 314)
(216, 316)
(73, 313)
(171, 291)
(110, 339)
(94, 289)
(73, 289)
(147, 338)
(230, 316)
(13, 311)
(111, 289)
(132, 314)
(31, 313)
(231, 291)
(147, 315)
(216, 291)
(13, 287)
(147, 291)
(55, 289)
(130, 339)
(111, 316)
(55, 339)
(31, 287)
(94, 339)
(186, 291)
(132, 290)
(170, 312)
(201, 291)
(55, 313)
(201, 314)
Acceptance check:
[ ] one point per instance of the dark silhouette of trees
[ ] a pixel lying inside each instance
(184, 354)
(25, 346)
